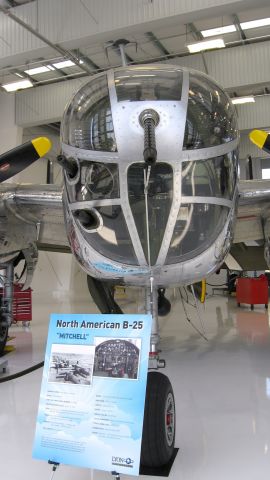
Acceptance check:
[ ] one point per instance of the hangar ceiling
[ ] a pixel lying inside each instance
(42, 34)
(28, 29)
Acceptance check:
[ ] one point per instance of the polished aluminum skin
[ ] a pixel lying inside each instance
(30, 214)
(173, 221)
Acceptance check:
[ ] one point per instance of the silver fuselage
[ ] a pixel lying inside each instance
(177, 232)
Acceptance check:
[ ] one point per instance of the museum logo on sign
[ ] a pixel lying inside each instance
(123, 462)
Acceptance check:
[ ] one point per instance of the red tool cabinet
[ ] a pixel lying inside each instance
(253, 291)
(22, 304)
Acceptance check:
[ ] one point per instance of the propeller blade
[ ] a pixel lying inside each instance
(261, 139)
(17, 159)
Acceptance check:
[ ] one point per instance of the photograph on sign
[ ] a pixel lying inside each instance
(117, 357)
(71, 364)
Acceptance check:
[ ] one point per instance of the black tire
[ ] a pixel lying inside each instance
(238, 304)
(252, 307)
(158, 435)
(266, 306)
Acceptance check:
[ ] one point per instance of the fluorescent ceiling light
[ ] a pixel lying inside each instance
(50, 67)
(218, 31)
(263, 22)
(239, 100)
(19, 75)
(12, 87)
(206, 45)
(35, 71)
(65, 64)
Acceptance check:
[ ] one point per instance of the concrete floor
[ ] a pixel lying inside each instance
(222, 390)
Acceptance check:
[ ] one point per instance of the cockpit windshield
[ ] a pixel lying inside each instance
(197, 226)
(87, 121)
(144, 83)
(150, 196)
(98, 181)
(214, 177)
(112, 239)
(211, 117)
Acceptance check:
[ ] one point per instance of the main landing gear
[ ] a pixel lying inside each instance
(6, 302)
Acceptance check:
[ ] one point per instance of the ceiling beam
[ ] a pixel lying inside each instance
(198, 37)
(24, 75)
(86, 59)
(64, 53)
(238, 27)
(152, 37)
(194, 32)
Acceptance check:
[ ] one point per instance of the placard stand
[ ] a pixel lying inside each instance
(55, 465)
(159, 472)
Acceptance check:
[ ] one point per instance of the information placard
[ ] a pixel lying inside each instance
(93, 390)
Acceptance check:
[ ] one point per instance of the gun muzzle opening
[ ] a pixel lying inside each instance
(149, 119)
(69, 165)
(90, 220)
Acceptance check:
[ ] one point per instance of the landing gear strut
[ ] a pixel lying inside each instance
(159, 412)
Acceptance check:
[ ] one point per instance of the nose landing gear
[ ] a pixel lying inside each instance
(158, 436)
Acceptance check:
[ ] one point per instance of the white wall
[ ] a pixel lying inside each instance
(10, 133)
(58, 275)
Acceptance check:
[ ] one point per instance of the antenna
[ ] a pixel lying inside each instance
(119, 46)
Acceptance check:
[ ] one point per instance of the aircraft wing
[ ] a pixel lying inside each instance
(253, 210)
(32, 213)
(252, 228)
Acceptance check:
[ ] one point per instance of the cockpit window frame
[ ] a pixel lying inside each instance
(178, 155)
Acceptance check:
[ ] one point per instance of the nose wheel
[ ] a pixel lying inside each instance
(159, 421)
